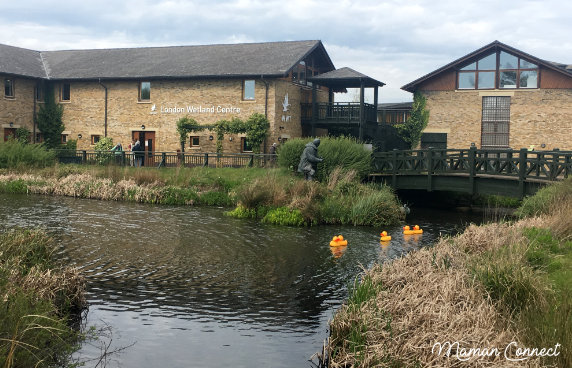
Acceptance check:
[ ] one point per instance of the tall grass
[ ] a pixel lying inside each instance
(40, 301)
(547, 199)
(15, 154)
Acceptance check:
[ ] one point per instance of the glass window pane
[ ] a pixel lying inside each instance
(507, 79)
(488, 62)
(145, 92)
(66, 92)
(486, 80)
(529, 79)
(471, 66)
(467, 80)
(248, 90)
(527, 65)
(508, 61)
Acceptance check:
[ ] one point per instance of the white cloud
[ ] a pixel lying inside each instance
(390, 40)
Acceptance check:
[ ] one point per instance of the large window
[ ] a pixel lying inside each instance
(248, 89)
(145, 91)
(498, 70)
(8, 88)
(495, 122)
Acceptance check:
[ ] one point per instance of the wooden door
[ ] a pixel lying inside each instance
(147, 140)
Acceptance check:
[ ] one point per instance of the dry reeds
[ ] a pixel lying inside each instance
(425, 298)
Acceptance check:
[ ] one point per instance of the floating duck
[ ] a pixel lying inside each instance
(384, 237)
(417, 230)
(338, 241)
(407, 230)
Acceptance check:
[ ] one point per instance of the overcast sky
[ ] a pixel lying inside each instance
(395, 42)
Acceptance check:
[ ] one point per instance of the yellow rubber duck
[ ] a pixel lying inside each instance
(417, 230)
(407, 230)
(384, 237)
(338, 241)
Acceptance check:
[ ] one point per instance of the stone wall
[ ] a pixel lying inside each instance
(18, 110)
(537, 117)
(170, 100)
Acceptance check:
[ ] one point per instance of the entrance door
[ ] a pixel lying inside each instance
(147, 140)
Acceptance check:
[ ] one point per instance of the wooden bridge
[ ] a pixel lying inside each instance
(474, 171)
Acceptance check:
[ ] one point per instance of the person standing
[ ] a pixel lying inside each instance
(273, 153)
(137, 153)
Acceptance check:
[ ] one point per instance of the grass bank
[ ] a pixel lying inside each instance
(40, 301)
(491, 290)
(275, 196)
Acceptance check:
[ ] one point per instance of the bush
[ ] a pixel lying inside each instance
(343, 152)
(15, 154)
(547, 199)
(284, 216)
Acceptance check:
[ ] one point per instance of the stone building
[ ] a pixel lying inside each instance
(498, 97)
(141, 93)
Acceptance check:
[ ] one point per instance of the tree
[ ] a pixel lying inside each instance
(50, 120)
(412, 129)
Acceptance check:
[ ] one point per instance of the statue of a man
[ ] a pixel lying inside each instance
(309, 160)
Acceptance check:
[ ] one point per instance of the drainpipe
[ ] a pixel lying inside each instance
(34, 116)
(105, 124)
(265, 106)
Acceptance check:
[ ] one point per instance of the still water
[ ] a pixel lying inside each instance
(190, 287)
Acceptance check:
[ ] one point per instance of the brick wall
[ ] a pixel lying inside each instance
(540, 116)
(85, 113)
(18, 110)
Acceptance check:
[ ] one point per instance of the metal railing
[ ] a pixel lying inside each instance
(166, 159)
(522, 164)
(338, 111)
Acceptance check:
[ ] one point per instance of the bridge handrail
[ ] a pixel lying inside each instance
(523, 164)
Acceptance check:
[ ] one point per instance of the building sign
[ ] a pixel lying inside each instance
(191, 109)
(285, 109)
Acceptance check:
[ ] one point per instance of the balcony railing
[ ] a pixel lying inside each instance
(338, 112)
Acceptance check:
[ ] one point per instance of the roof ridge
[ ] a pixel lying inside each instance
(44, 66)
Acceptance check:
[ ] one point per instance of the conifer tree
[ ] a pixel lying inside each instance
(50, 120)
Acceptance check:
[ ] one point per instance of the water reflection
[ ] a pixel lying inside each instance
(191, 285)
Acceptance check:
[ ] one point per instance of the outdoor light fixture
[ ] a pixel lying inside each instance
(230, 139)
(281, 127)
(211, 137)
(79, 136)
(11, 124)
(279, 139)
(543, 145)
(142, 127)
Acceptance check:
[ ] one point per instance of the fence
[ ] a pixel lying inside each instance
(166, 159)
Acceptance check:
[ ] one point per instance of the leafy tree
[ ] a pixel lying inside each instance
(185, 126)
(50, 120)
(412, 129)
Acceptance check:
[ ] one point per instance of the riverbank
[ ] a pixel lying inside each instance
(40, 301)
(471, 300)
(272, 195)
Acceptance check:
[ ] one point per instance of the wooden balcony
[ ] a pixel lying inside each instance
(347, 113)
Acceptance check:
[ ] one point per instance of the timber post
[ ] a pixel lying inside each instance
(522, 158)
(472, 169)
(394, 168)
(430, 170)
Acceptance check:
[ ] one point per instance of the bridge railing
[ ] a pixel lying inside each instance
(166, 159)
(522, 164)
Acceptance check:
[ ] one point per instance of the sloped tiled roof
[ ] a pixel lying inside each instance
(19, 61)
(347, 77)
(232, 60)
(563, 68)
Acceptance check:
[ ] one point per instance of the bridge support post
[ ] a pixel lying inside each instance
(430, 169)
(522, 156)
(394, 168)
(567, 165)
(472, 169)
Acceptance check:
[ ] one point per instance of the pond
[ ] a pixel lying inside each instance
(188, 286)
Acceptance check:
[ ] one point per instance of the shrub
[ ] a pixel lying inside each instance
(15, 154)
(216, 198)
(343, 152)
(547, 199)
(284, 216)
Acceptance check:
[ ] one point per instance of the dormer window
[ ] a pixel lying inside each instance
(498, 70)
